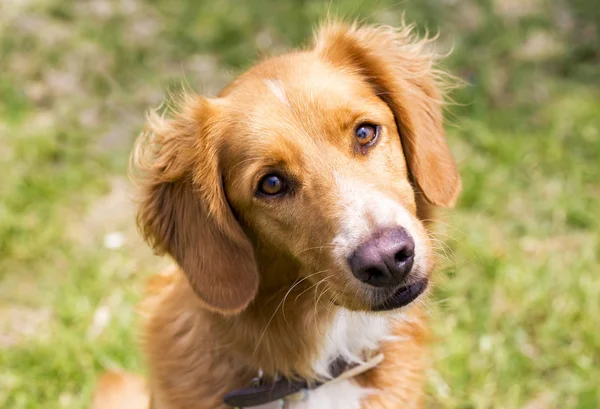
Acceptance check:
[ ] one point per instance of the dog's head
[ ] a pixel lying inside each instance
(311, 166)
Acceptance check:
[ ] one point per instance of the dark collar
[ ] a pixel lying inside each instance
(261, 393)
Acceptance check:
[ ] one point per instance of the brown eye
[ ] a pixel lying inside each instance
(271, 185)
(366, 134)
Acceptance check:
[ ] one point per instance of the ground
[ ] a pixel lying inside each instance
(517, 304)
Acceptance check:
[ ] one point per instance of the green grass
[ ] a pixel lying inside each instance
(517, 307)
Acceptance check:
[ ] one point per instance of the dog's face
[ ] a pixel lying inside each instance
(305, 169)
(315, 172)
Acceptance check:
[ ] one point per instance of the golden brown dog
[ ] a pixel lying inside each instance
(295, 205)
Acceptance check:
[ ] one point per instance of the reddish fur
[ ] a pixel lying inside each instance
(232, 306)
(400, 377)
(120, 390)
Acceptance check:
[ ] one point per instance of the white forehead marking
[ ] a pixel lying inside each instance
(276, 87)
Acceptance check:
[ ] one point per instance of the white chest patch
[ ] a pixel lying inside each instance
(337, 395)
(351, 334)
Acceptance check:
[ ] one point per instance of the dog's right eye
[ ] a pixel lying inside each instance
(271, 185)
(366, 134)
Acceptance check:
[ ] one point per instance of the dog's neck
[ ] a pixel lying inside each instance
(350, 336)
(222, 353)
(292, 332)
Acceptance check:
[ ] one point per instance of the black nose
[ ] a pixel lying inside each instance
(385, 259)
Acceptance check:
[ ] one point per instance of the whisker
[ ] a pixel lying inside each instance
(445, 235)
(316, 309)
(332, 304)
(324, 291)
(442, 253)
(439, 241)
(292, 287)
(322, 271)
(333, 245)
(271, 318)
(443, 223)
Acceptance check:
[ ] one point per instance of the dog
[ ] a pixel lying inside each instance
(297, 206)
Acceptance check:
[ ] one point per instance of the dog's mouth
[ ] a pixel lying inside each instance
(403, 296)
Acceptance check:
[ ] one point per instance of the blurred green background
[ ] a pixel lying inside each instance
(516, 313)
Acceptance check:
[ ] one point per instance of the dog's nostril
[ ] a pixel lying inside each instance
(373, 274)
(403, 255)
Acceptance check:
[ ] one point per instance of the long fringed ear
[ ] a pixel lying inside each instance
(400, 72)
(183, 210)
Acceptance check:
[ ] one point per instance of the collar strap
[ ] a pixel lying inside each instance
(283, 387)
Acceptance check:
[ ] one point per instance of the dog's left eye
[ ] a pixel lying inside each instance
(366, 134)
(271, 185)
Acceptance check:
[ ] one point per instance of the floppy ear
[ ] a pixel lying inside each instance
(183, 210)
(400, 72)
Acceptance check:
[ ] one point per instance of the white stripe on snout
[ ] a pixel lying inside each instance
(365, 210)
(276, 87)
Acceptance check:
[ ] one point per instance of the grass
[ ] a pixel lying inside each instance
(517, 307)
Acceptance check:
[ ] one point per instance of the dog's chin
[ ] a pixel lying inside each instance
(402, 296)
(399, 298)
